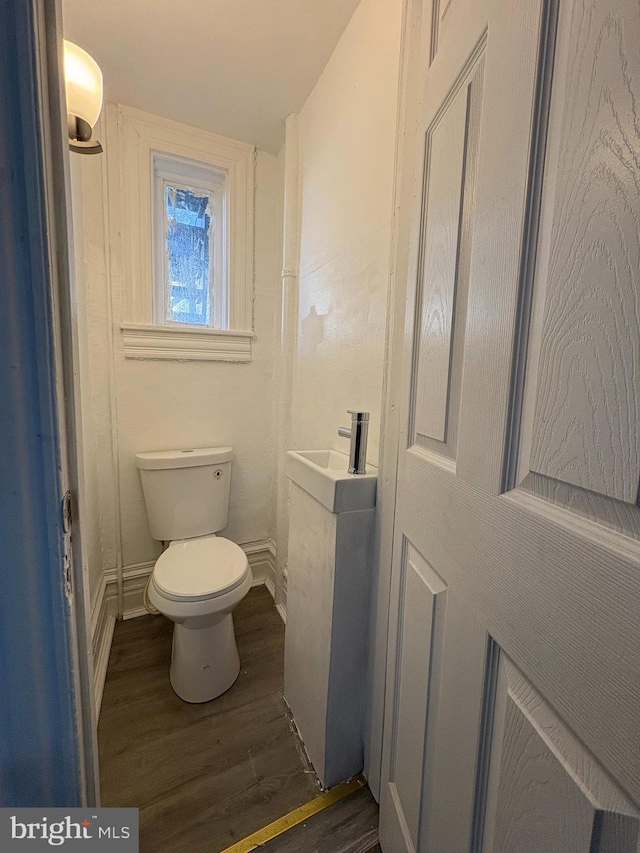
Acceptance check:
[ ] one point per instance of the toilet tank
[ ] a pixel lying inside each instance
(186, 492)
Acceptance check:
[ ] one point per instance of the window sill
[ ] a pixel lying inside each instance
(180, 343)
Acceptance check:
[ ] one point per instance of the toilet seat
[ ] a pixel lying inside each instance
(198, 569)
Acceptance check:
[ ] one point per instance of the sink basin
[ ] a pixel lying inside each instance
(332, 459)
(325, 476)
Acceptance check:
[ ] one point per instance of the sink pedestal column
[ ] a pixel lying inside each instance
(328, 590)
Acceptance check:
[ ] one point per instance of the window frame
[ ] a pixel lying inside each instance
(134, 138)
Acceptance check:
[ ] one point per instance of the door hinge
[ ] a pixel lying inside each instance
(66, 512)
(67, 519)
(68, 586)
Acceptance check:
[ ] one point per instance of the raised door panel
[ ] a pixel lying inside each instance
(516, 83)
(451, 148)
(588, 385)
(418, 652)
(449, 18)
(446, 143)
(617, 515)
(458, 707)
(546, 793)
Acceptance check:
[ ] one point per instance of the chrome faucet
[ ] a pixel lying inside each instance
(358, 435)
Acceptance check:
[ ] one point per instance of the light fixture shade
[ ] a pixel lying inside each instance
(83, 84)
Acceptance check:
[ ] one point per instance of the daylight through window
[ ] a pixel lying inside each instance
(189, 235)
(188, 241)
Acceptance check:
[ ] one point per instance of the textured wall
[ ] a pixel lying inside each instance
(347, 137)
(97, 469)
(165, 404)
(169, 404)
(347, 146)
(347, 142)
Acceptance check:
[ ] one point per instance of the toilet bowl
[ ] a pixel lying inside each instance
(197, 583)
(199, 578)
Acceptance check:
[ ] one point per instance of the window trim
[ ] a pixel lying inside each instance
(133, 139)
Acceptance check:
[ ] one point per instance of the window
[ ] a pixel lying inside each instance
(187, 283)
(183, 216)
(190, 274)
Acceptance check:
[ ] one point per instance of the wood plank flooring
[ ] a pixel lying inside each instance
(348, 826)
(205, 776)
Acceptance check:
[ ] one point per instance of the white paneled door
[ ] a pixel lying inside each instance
(512, 715)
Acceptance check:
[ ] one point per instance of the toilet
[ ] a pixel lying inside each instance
(199, 578)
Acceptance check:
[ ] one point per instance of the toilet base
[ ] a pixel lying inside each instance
(204, 660)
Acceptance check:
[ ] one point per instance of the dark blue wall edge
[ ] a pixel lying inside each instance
(40, 755)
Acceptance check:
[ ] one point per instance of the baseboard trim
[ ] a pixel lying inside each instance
(271, 585)
(261, 561)
(103, 622)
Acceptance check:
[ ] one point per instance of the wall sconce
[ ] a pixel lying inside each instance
(83, 85)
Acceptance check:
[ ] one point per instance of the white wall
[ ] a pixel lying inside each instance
(97, 465)
(347, 135)
(347, 143)
(347, 138)
(171, 404)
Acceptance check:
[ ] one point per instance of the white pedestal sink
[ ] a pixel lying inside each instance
(331, 527)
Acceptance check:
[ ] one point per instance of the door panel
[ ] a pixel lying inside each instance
(519, 449)
(560, 598)
(548, 792)
(455, 717)
(446, 144)
(616, 515)
(519, 54)
(588, 394)
(422, 607)
(578, 445)
(451, 150)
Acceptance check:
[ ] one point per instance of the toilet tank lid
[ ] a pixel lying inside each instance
(188, 458)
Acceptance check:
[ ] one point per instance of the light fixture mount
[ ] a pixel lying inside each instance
(83, 87)
(80, 136)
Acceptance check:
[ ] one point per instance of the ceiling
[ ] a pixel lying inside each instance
(235, 67)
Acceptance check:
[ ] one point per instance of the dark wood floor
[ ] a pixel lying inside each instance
(205, 776)
(348, 826)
